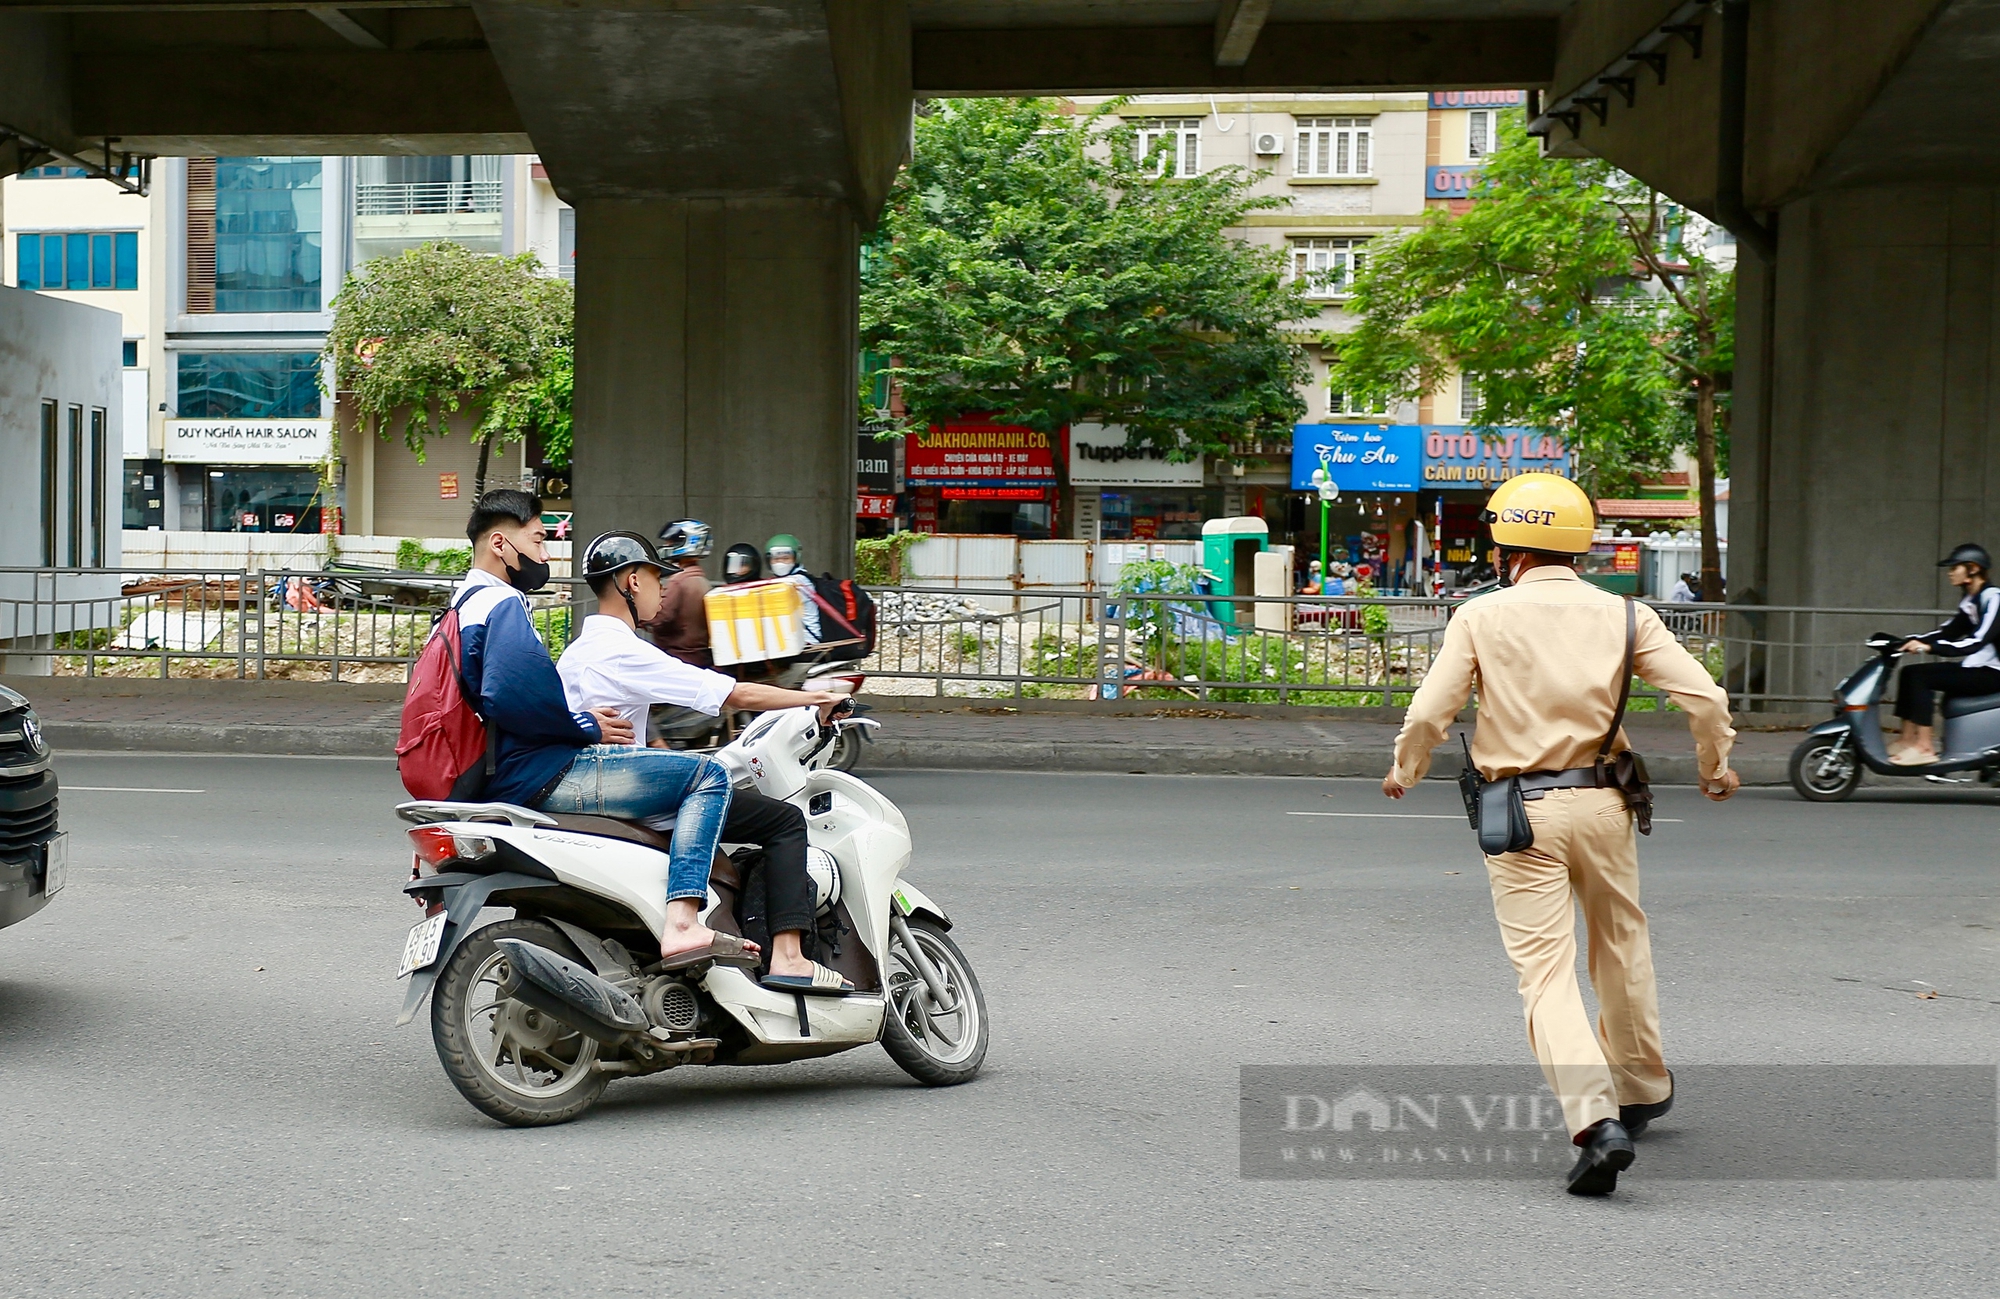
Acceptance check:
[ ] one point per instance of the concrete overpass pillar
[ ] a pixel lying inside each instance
(1866, 437)
(716, 354)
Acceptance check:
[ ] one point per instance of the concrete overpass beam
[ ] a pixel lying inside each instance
(1879, 448)
(716, 352)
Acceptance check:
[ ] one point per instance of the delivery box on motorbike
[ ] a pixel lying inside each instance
(755, 621)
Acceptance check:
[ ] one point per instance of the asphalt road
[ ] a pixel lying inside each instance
(204, 1093)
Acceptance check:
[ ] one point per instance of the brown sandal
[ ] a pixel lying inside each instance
(725, 949)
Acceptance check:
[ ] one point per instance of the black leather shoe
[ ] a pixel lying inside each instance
(1607, 1152)
(1635, 1118)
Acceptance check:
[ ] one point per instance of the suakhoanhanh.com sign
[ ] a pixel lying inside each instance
(249, 441)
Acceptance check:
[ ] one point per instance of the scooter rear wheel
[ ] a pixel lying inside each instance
(1825, 769)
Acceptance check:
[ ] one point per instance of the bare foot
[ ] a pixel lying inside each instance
(786, 956)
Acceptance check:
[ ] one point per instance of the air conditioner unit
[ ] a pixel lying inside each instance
(1270, 145)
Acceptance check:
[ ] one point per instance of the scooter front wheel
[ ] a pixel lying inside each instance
(939, 1044)
(1825, 769)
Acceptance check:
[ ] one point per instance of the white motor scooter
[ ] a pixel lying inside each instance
(535, 1015)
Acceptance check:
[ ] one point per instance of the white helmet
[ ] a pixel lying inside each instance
(825, 873)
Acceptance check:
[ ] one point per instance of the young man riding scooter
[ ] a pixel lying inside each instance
(559, 760)
(1972, 637)
(608, 666)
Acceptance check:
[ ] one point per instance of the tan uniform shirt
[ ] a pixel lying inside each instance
(1544, 655)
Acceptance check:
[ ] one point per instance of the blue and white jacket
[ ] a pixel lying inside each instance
(513, 683)
(1974, 635)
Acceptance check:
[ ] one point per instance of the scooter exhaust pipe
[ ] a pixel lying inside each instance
(566, 991)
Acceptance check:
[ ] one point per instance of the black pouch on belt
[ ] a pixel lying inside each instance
(1498, 814)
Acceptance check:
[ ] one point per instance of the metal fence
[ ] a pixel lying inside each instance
(359, 624)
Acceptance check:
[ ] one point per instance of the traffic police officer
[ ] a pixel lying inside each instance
(1546, 654)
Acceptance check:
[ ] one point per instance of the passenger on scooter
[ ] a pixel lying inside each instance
(681, 626)
(782, 552)
(1972, 637)
(608, 666)
(550, 757)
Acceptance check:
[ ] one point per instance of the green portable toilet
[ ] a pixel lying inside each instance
(1229, 550)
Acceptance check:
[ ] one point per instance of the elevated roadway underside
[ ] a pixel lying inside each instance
(723, 157)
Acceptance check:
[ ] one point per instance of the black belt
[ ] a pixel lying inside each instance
(1536, 783)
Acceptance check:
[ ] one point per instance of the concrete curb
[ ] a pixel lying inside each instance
(886, 753)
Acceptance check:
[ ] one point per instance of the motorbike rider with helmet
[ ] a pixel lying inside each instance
(785, 557)
(741, 563)
(1972, 637)
(609, 665)
(681, 626)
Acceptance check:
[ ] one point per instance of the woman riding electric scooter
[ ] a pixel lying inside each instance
(1972, 637)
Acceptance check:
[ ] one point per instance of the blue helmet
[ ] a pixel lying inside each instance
(684, 538)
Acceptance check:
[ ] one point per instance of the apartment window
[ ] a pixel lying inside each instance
(1179, 141)
(131, 353)
(403, 202)
(1479, 133)
(1468, 398)
(84, 259)
(99, 435)
(75, 486)
(1342, 403)
(51, 465)
(248, 385)
(1328, 266)
(1334, 146)
(268, 215)
(566, 244)
(54, 173)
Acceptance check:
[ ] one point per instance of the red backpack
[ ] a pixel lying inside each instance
(439, 749)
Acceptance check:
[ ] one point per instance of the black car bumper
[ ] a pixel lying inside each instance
(27, 823)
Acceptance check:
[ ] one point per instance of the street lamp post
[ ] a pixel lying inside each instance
(1322, 482)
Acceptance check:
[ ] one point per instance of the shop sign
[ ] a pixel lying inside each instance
(1455, 454)
(329, 519)
(977, 453)
(872, 505)
(994, 493)
(1450, 181)
(447, 487)
(249, 441)
(1478, 98)
(1099, 457)
(1359, 457)
(874, 464)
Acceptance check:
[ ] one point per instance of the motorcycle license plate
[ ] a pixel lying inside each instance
(55, 865)
(421, 948)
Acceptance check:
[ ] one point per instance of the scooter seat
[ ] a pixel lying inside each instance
(1960, 705)
(721, 871)
(610, 827)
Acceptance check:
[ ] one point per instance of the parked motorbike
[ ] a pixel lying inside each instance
(534, 1016)
(685, 728)
(1827, 766)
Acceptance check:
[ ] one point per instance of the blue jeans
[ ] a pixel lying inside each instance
(641, 784)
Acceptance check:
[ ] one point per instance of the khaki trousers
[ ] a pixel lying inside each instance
(1584, 851)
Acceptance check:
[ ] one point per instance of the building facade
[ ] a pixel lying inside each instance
(1353, 168)
(224, 275)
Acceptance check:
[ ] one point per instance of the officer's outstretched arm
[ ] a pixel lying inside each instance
(1661, 661)
(1444, 691)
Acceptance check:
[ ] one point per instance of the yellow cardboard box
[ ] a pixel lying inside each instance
(755, 621)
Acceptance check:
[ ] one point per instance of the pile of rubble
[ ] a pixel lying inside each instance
(906, 610)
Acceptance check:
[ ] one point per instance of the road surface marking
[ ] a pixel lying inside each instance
(124, 789)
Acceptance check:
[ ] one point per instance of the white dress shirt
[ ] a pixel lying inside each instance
(609, 666)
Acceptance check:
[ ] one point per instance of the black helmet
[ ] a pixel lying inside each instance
(614, 551)
(1969, 553)
(742, 563)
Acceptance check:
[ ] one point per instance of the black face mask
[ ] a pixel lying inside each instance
(530, 575)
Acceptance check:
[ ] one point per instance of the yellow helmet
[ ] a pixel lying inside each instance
(1540, 512)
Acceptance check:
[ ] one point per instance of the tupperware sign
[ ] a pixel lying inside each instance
(977, 453)
(1360, 457)
(1457, 456)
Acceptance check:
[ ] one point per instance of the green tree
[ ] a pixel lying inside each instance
(1576, 304)
(1033, 264)
(438, 329)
